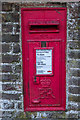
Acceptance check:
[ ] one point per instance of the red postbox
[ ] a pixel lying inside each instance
(44, 58)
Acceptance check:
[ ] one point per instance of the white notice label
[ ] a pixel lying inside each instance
(44, 61)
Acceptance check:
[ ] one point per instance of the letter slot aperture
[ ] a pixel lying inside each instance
(43, 26)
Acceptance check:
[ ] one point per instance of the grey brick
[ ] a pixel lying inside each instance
(79, 115)
(6, 68)
(73, 10)
(74, 90)
(17, 28)
(10, 77)
(8, 105)
(17, 69)
(74, 81)
(74, 45)
(11, 17)
(79, 106)
(10, 58)
(73, 115)
(75, 73)
(16, 48)
(73, 24)
(6, 6)
(72, 107)
(73, 35)
(74, 54)
(54, 4)
(74, 98)
(16, 7)
(8, 116)
(74, 64)
(19, 105)
(56, 115)
(8, 87)
(6, 48)
(11, 96)
(6, 28)
(10, 38)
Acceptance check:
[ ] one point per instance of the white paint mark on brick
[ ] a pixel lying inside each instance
(10, 110)
(75, 50)
(32, 116)
(9, 100)
(10, 63)
(73, 103)
(74, 86)
(44, 114)
(8, 73)
(13, 31)
(75, 77)
(16, 106)
(7, 33)
(75, 68)
(74, 94)
(4, 12)
(12, 92)
(12, 23)
(13, 83)
(69, 59)
(72, 111)
(73, 41)
(38, 115)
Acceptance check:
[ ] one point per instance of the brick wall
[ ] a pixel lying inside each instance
(73, 60)
(11, 61)
(12, 81)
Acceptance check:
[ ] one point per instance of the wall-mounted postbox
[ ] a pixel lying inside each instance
(43, 52)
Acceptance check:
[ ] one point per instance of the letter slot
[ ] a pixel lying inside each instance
(40, 26)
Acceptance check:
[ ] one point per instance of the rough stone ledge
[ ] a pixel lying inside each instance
(72, 114)
(24, 1)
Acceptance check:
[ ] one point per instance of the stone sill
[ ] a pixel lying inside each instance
(39, 1)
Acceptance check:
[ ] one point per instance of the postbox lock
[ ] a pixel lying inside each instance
(34, 78)
(43, 43)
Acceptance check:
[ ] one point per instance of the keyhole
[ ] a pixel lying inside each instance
(34, 78)
(43, 43)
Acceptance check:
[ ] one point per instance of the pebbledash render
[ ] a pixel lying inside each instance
(11, 73)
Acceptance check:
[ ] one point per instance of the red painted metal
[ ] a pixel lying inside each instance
(44, 92)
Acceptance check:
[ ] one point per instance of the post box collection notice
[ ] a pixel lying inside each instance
(43, 61)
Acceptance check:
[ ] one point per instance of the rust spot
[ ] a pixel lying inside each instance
(58, 11)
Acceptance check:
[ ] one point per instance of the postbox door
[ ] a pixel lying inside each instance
(44, 31)
(45, 89)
